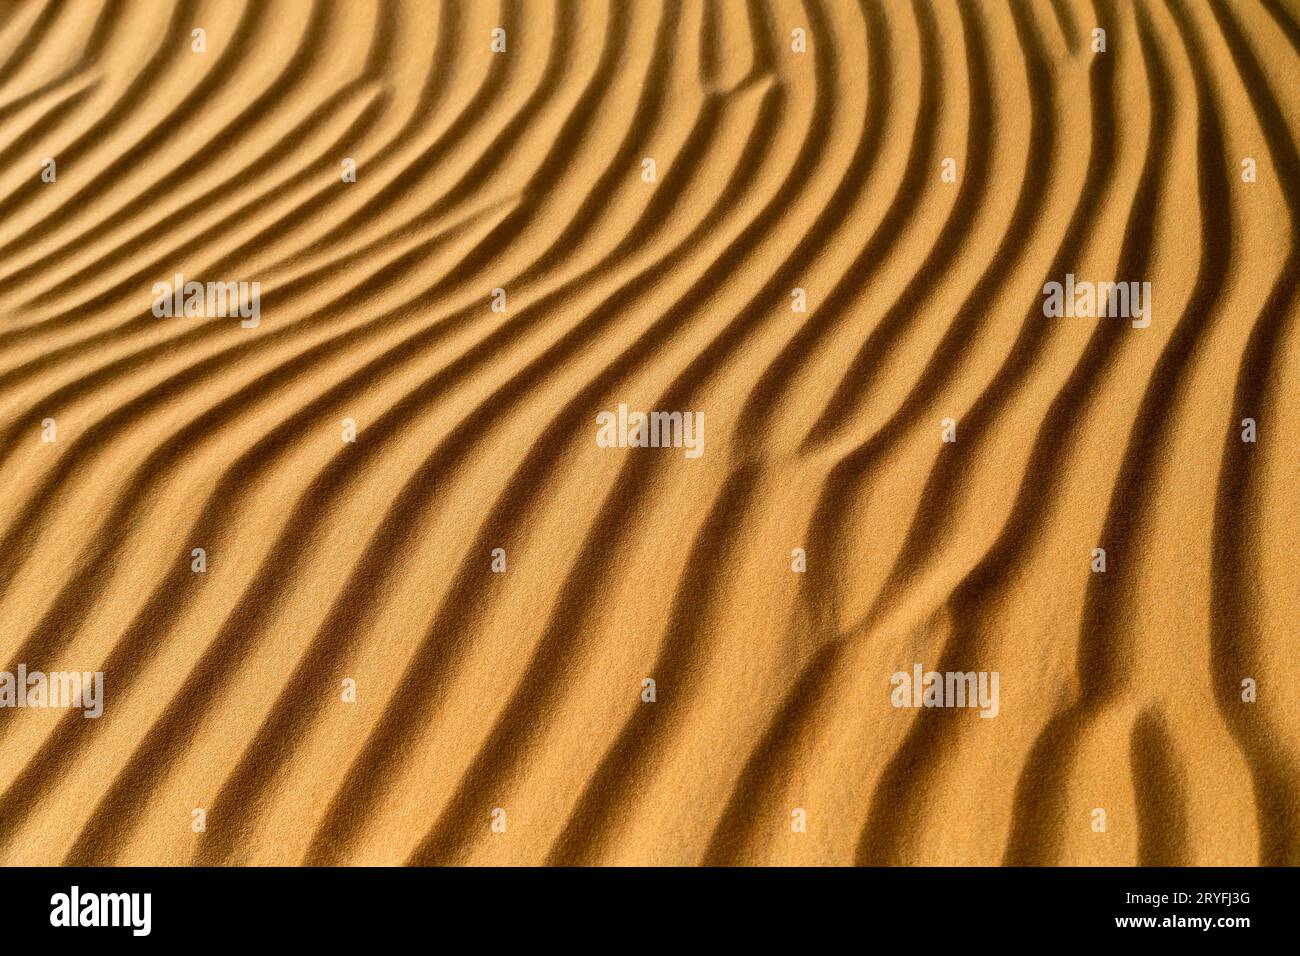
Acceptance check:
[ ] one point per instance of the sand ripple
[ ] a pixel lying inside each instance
(500, 711)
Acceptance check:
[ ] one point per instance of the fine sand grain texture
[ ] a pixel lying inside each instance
(380, 564)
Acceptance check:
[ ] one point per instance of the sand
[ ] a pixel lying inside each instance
(370, 579)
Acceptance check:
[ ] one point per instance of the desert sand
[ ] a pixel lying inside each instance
(370, 580)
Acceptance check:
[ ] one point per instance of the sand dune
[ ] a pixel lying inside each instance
(359, 523)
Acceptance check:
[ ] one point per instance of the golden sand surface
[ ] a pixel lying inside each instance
(383, 572)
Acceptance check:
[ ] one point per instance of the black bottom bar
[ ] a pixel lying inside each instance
(617, 907)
